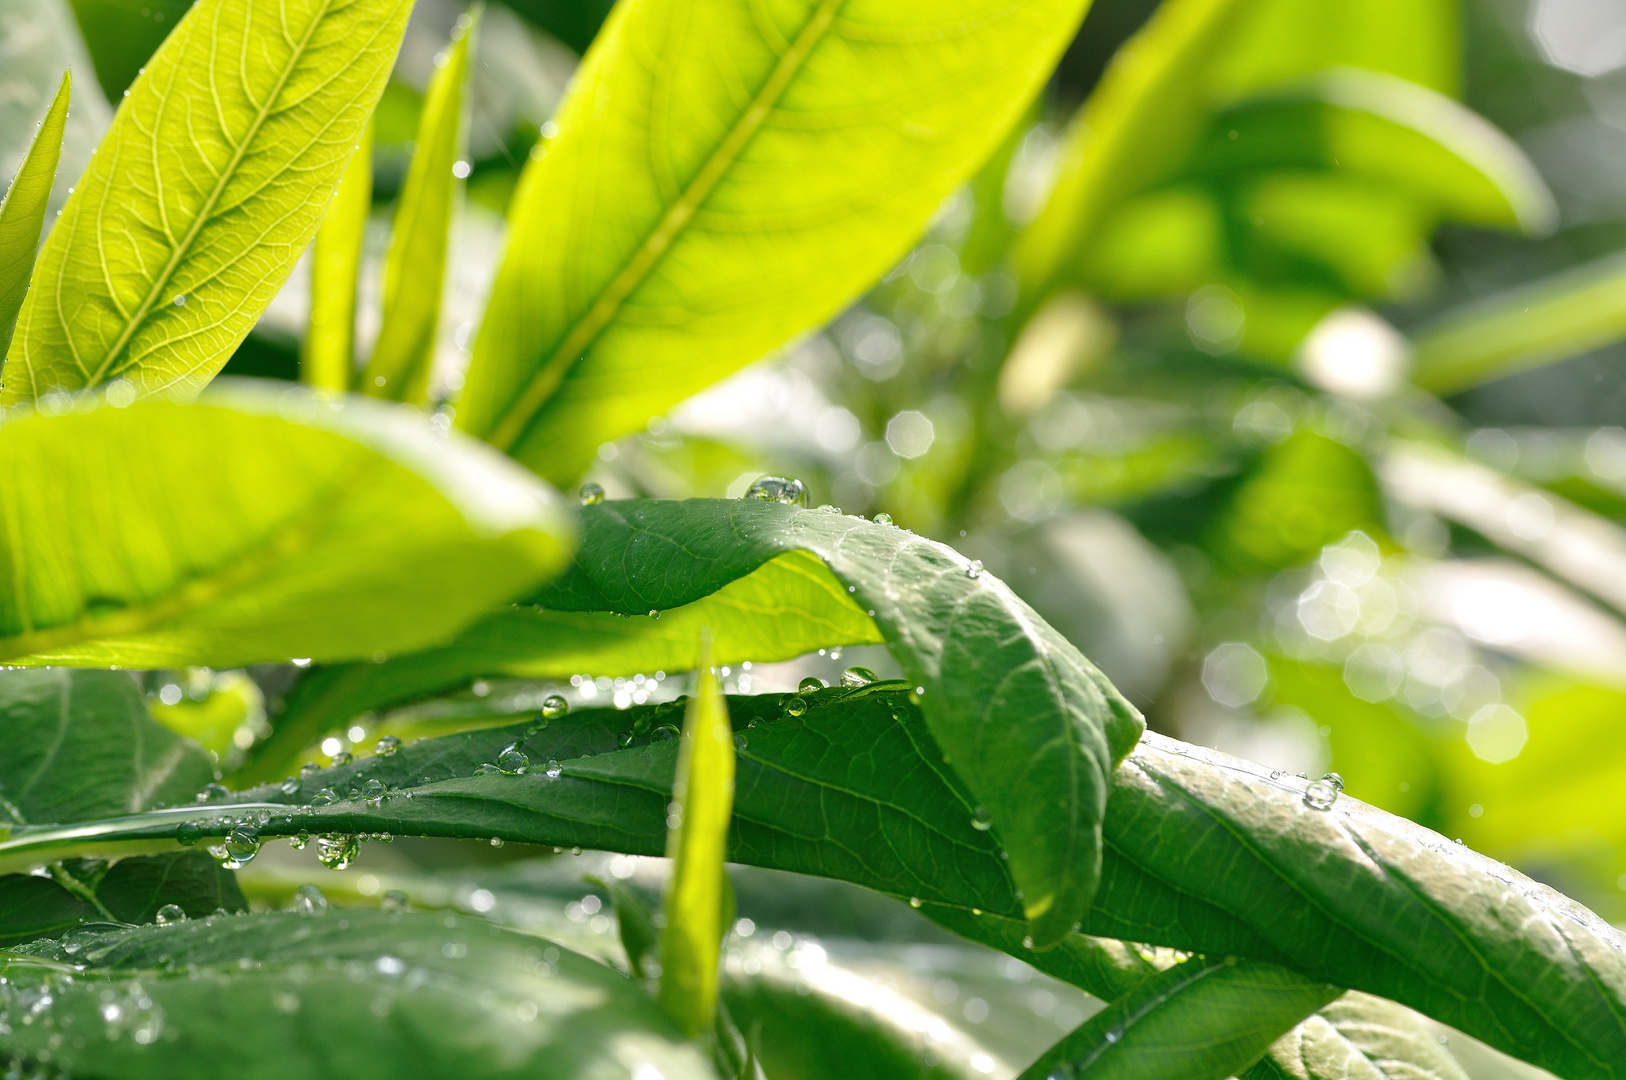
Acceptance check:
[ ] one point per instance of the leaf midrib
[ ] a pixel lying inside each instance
(517, 417)
(206, 211)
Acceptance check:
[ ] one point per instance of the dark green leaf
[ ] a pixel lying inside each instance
(22, 211)
(1200, 1020)
(33, 907)
(256, 525)
(354, 995)
(133, 890)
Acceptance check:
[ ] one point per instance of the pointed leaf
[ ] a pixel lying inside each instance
(1205, 1019)
(22, 211)
(415, 268)
(356, 996)
(724, 177)
(210, 182)
(256, 525)
(696, 834)
(327, 361)
(1359, 1037)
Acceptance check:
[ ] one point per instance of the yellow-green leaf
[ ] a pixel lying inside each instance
(696, 841)
(415, 268)
(22, 211)
(327, 361)
(726, 175)
(212, 179)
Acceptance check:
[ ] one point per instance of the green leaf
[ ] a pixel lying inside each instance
(1205, 1019)
(253, 526)
(1542, 322)
(789, 606)
(696, 835)
(635, 926)
(327, 357)
(210, 182)
(43, 38)
(1379, 126)
(22, 211)
(1359, 1037)
(723, 178)
(357, 995)
(415, 267)
(131, 890)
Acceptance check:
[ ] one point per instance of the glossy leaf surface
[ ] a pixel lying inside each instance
(256, 525)
(724, 177)
(356, 995)
(210, 182)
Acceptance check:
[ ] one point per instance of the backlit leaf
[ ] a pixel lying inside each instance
(22, 211)
(327, 359)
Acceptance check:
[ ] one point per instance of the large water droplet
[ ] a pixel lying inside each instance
(974, 569)
(169, 914)
(779, 489)
(981, 820)
(325, 797)
(552, 769)
(373, 792)
(513, 759)
(795, 706)
(592, 494)
(1335, 780)
(883, 518)
(1320, 795)
(386, 746)
(309, 900)
(665, 732)
(337, 852)
(857, 676)
(554, 706)
(238, 849)
(809, 685)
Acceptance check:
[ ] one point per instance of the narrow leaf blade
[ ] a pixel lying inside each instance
(22, 211)
(327, 359)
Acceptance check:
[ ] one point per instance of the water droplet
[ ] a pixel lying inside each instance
(554, 706)
(214, 793)
(513, 759)
(486, 768)
(980, 819)
(308, 768)
(857, 676)
(974, 569)
(325, 797)
(796, 706)
(1275, 774)
(809, 685)
(343, 757)
(169, 914)
(1320, 795)
(373, 792)
(238, 849)
(337, 852)
(665, 732)
(393, 900)
(292, 785)
(883, 518)
(592, 494)
(914, 901)
(1114, 1034)
(180, 299)
(188, 833)
(779, 489)
(386, 746)
(552, 769)
(1335, 780)
(309, 900)
(830, 508)
(496, 841)
(1027, 942)
(299, 840)
(624, 739)
(739, 742)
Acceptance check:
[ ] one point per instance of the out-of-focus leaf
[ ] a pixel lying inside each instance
(1359, 1037)
(122, 37)
(1303, 494)
(134, 889)
(254, 526)
(39, 42)
(574, 22)
(212, 179)
(327, 357)
(354, 995)
(1205, 1019)
(696, 835)
(415, 267)
(634, 925)
(788, 606)
(1539, 323)
(1450, 159)
(33, 907)
(22, 211)
(637, 271)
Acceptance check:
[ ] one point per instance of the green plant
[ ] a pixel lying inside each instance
(722, 177)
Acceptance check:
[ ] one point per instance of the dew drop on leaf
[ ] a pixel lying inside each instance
(169, 914)
(341, 758)
(554, 706)
(809, 685)
(980, 819)
(238, 849)
(325, 797)
(739, 742)
(188, 833)
(1335, 780)
(393, 900)
(1320, 795)
(309, 900)
(830, 508)
(291, 785)
(337, 852)
(666, 732)
(796, 706)
(857, 676)
(624, 739)
(883, 518)
(513, 759)
(552, 769)
(779, 489)
(308, 768)
(386, 746)
(592, 494)
(974, 569)
(214, 793)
